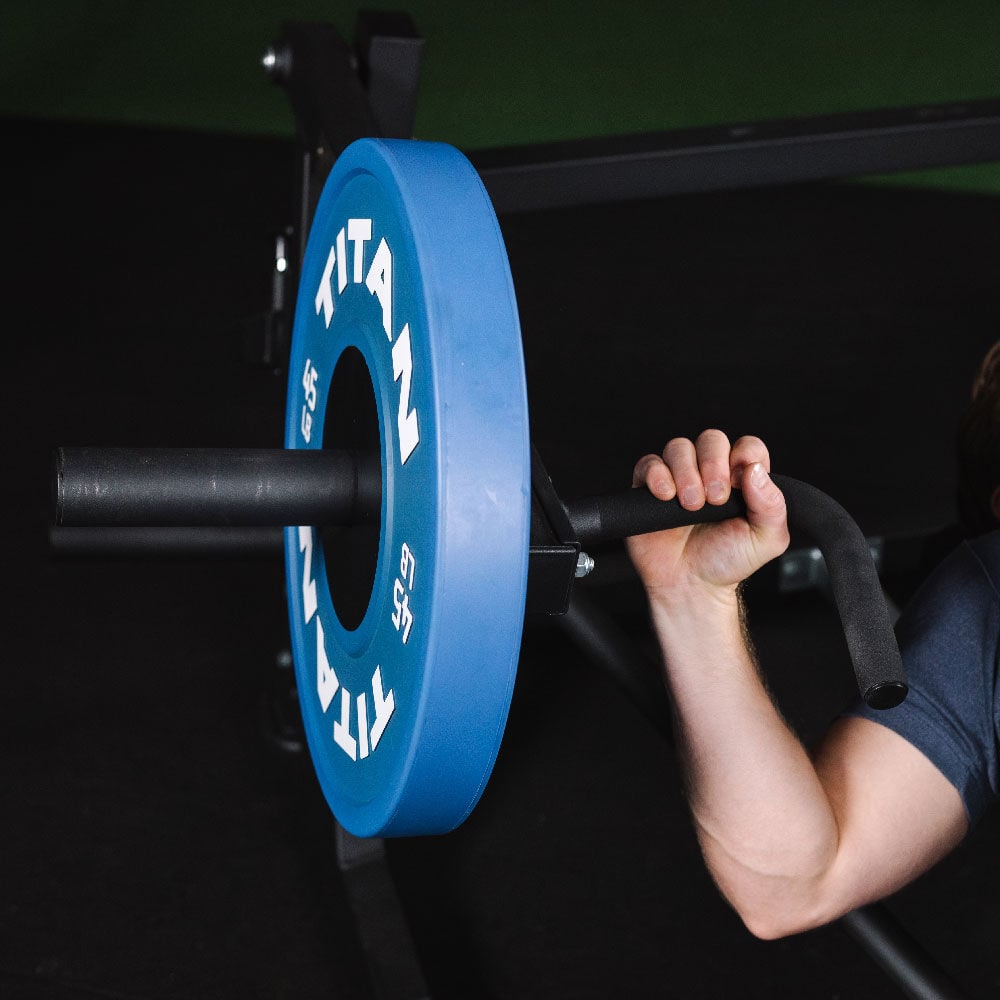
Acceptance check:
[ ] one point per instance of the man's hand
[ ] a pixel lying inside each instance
(709, 556)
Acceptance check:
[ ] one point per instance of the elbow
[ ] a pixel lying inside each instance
(778, 907)
(783, 918)
(779, 899)
(779, 892)
(773, 926)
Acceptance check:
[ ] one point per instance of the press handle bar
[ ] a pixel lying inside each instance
(857, 592)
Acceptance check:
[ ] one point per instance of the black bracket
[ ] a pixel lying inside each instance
(554, 552)
(338, 93)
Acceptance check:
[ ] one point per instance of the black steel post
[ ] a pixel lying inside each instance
(610, 169)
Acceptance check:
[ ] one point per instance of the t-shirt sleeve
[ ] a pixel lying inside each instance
(948, 637)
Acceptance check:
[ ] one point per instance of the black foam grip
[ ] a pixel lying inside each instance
(637, 512)
(854, 581)
(857, 591)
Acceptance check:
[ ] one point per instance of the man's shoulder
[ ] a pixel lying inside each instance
(984, 551)
(964, 584)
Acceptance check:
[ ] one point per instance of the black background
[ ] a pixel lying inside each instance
(155, 843)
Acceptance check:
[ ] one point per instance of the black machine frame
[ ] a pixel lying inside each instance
(340, 92)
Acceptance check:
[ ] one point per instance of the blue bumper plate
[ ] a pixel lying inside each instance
(406, 630)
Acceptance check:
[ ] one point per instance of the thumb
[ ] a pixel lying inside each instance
(766, 511)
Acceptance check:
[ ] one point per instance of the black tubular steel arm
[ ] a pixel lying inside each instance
(854, 581)
(213, 487)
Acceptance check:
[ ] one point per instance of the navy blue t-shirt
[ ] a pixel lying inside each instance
(949, 636)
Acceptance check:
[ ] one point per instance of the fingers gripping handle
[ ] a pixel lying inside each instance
(854, 581)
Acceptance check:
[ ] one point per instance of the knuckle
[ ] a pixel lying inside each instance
(750, 448)
(678, 446)
(712, 436)
(713, 461)
(645, 463)
(713, 447)
(640, 473)
(651, 472)
(679, 456)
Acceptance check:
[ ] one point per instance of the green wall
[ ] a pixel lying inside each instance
(498, 73)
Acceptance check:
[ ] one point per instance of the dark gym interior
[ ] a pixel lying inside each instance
(162, 834)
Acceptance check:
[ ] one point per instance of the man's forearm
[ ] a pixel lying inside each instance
(765, 824)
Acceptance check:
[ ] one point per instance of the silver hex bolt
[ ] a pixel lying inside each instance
(276, 63)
